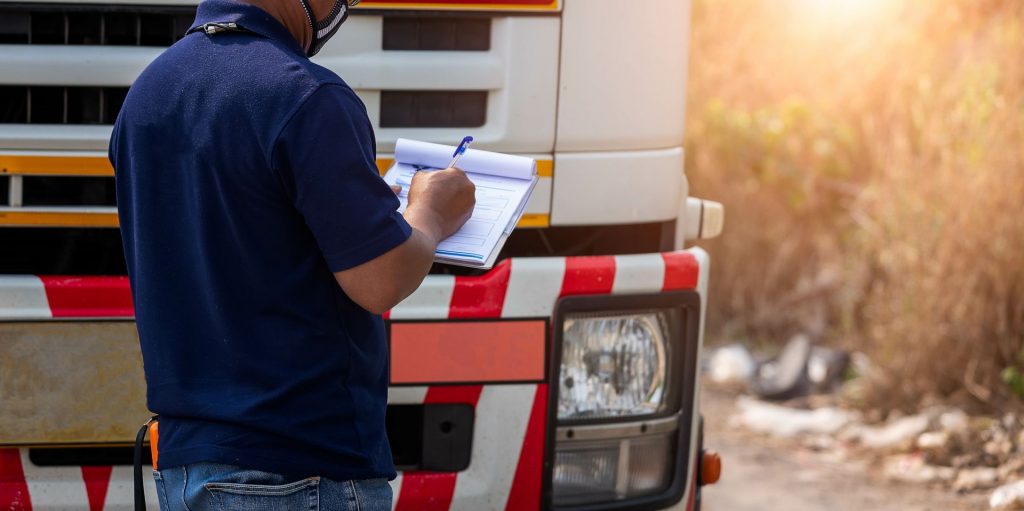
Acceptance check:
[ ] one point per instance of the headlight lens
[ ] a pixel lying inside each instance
(587, 474)
(613, 365)
(597, 471)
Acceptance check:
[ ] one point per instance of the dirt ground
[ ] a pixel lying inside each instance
(765, 474)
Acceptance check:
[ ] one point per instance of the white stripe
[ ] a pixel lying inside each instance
(430, 301)
(396, 488)
(64, 488)
(54, 487)
(406, 395)
(23, 297)
(533, 287)
(643, 273)
(704, 267)
(501, 418)
(121, 494)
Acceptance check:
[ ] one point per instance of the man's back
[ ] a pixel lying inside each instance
(245, 178)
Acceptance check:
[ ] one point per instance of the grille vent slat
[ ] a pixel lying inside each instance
(60, 105)
(436, 33)
(91, 25)
(433, 109)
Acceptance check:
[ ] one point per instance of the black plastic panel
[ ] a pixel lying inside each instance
(60, 105)
(93, 25)
(447, 437)
(61, 251)
(436, 437)
(433, 109)
(86, 456)
(68, 191)
(436, 33)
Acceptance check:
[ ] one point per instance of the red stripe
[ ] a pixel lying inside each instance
(526, 485)
(591, 275)
(82, 297)
(681, 271)
(481, 296)
(13, 488)
(97, 482)
(448, 394)
(433, 491)
(426, 491)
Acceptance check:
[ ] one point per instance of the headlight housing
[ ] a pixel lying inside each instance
(613, 365)
(624, 399)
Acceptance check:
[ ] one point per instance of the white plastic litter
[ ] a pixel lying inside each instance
(789, 422)
(731, 364)
(899, 433)
(1007, 497)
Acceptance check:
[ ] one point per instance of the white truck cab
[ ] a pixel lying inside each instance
(564, 378)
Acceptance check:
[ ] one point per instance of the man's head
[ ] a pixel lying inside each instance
(311, 22)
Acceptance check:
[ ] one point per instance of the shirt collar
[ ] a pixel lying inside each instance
(248, 17)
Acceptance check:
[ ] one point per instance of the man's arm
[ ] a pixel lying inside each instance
(439, 203)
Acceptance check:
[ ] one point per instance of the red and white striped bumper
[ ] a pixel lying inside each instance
(507, 458)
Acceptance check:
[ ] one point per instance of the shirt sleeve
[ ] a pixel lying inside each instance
(325, 157)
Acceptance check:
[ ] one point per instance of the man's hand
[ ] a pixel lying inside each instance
(440, 202)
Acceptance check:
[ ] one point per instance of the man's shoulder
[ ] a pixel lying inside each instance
(262, 63)
(259, 71)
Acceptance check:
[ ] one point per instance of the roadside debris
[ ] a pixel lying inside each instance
(896, 435)
(785, 376)
(912, 468)
(1008, 497)
(731, 365)
(788, 422)
(800, 369)
(799, 396)
(970, 479)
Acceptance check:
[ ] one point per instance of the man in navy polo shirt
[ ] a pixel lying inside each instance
(262, 248)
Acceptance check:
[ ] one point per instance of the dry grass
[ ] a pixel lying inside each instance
(870, 154)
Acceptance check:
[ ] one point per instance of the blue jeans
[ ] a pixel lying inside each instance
(215, 487)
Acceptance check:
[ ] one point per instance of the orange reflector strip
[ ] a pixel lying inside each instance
(56, 165)
(468, 351)
(534, 220)
(545, 168)
(13, 218)
(383, 164)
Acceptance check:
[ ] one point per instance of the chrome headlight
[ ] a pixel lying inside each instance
(613, 365)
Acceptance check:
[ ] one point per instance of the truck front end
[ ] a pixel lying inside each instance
(564, 378)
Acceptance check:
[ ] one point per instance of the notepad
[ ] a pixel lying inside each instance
(503, 182)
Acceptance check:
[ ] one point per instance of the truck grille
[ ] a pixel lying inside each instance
(94, 25)
(60, 105)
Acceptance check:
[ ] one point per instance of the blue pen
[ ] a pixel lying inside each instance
(459, 151)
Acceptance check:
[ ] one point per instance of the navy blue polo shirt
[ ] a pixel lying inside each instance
(246, 176)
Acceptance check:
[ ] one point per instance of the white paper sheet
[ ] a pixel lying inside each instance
(501, 196)
(478, 162)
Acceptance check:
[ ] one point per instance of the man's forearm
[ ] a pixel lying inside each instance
(382, 283)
